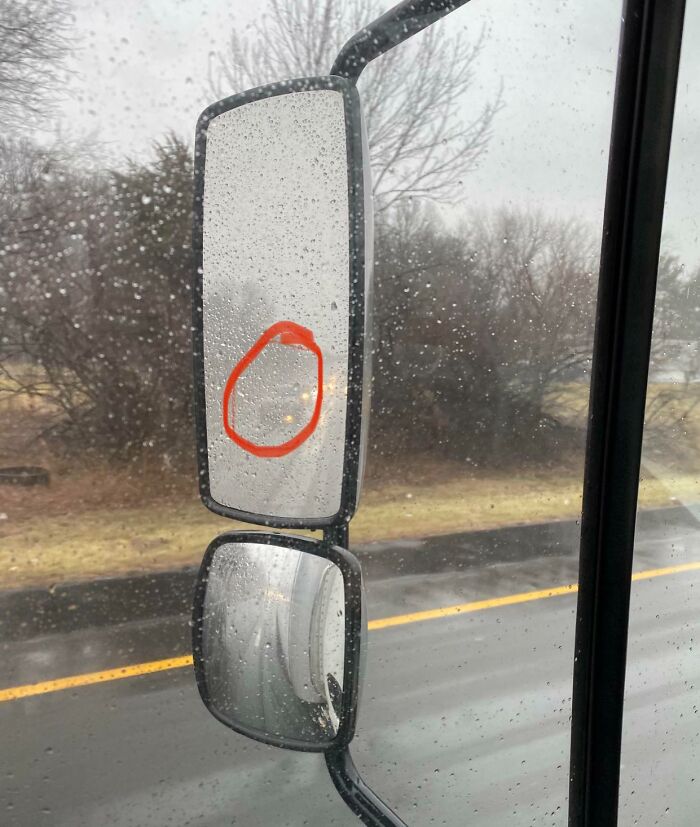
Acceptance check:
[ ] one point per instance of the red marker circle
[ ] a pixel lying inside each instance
(292, 334)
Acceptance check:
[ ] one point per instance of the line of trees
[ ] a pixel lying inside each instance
(475, 325)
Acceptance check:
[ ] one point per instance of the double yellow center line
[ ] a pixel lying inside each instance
(14, 693)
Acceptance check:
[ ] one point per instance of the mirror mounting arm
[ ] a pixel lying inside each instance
(363, 801)
(398, 24)
(338, 535)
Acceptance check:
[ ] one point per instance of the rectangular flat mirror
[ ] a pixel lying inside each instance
(283, 255)
(277, 631)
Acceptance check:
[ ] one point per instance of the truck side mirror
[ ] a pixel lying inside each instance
(278, 625)
(283, 242)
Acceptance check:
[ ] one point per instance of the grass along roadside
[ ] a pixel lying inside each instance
(104, 522)
(45, 549)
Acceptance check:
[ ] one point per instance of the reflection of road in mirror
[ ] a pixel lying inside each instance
(273, 641)
(273, 398)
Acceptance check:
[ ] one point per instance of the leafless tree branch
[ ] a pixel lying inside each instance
(414, 97)
(34, 42)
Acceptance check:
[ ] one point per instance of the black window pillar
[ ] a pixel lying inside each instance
(638, 165)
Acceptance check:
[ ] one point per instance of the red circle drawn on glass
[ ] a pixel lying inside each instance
(294, 335)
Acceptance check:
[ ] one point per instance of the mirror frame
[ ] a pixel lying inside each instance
(354, 632)
(356, 275)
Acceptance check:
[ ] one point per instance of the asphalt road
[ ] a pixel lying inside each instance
(464, 719)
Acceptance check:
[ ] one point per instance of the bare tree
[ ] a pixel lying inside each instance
(545, 270)
(413, 97)
(476, 329)
(95, 299)
(34, 42)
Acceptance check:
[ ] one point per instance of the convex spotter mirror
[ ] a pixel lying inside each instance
(278, 629)
(283, 244)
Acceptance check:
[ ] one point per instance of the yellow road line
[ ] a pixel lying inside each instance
(26, 691)
(511, 599)
(136, 669)
(465, 608)
(681, 567)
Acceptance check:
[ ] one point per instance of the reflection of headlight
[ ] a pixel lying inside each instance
(329, 388)
(276, 596)
(289, 418)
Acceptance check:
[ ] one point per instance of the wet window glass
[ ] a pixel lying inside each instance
(486, 293)
(487, 140)
(659, 779)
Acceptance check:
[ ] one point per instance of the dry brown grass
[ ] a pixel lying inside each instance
(70, 531)
(98, 521)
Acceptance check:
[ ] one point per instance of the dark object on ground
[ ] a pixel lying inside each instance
(24, 475)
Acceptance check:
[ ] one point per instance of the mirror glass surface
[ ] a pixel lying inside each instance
(273, 641)
(276, 304)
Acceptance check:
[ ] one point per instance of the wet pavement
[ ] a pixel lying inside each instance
(25, 614)
(464, 720)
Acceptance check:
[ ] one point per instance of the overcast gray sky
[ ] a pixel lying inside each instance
(141, 69)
